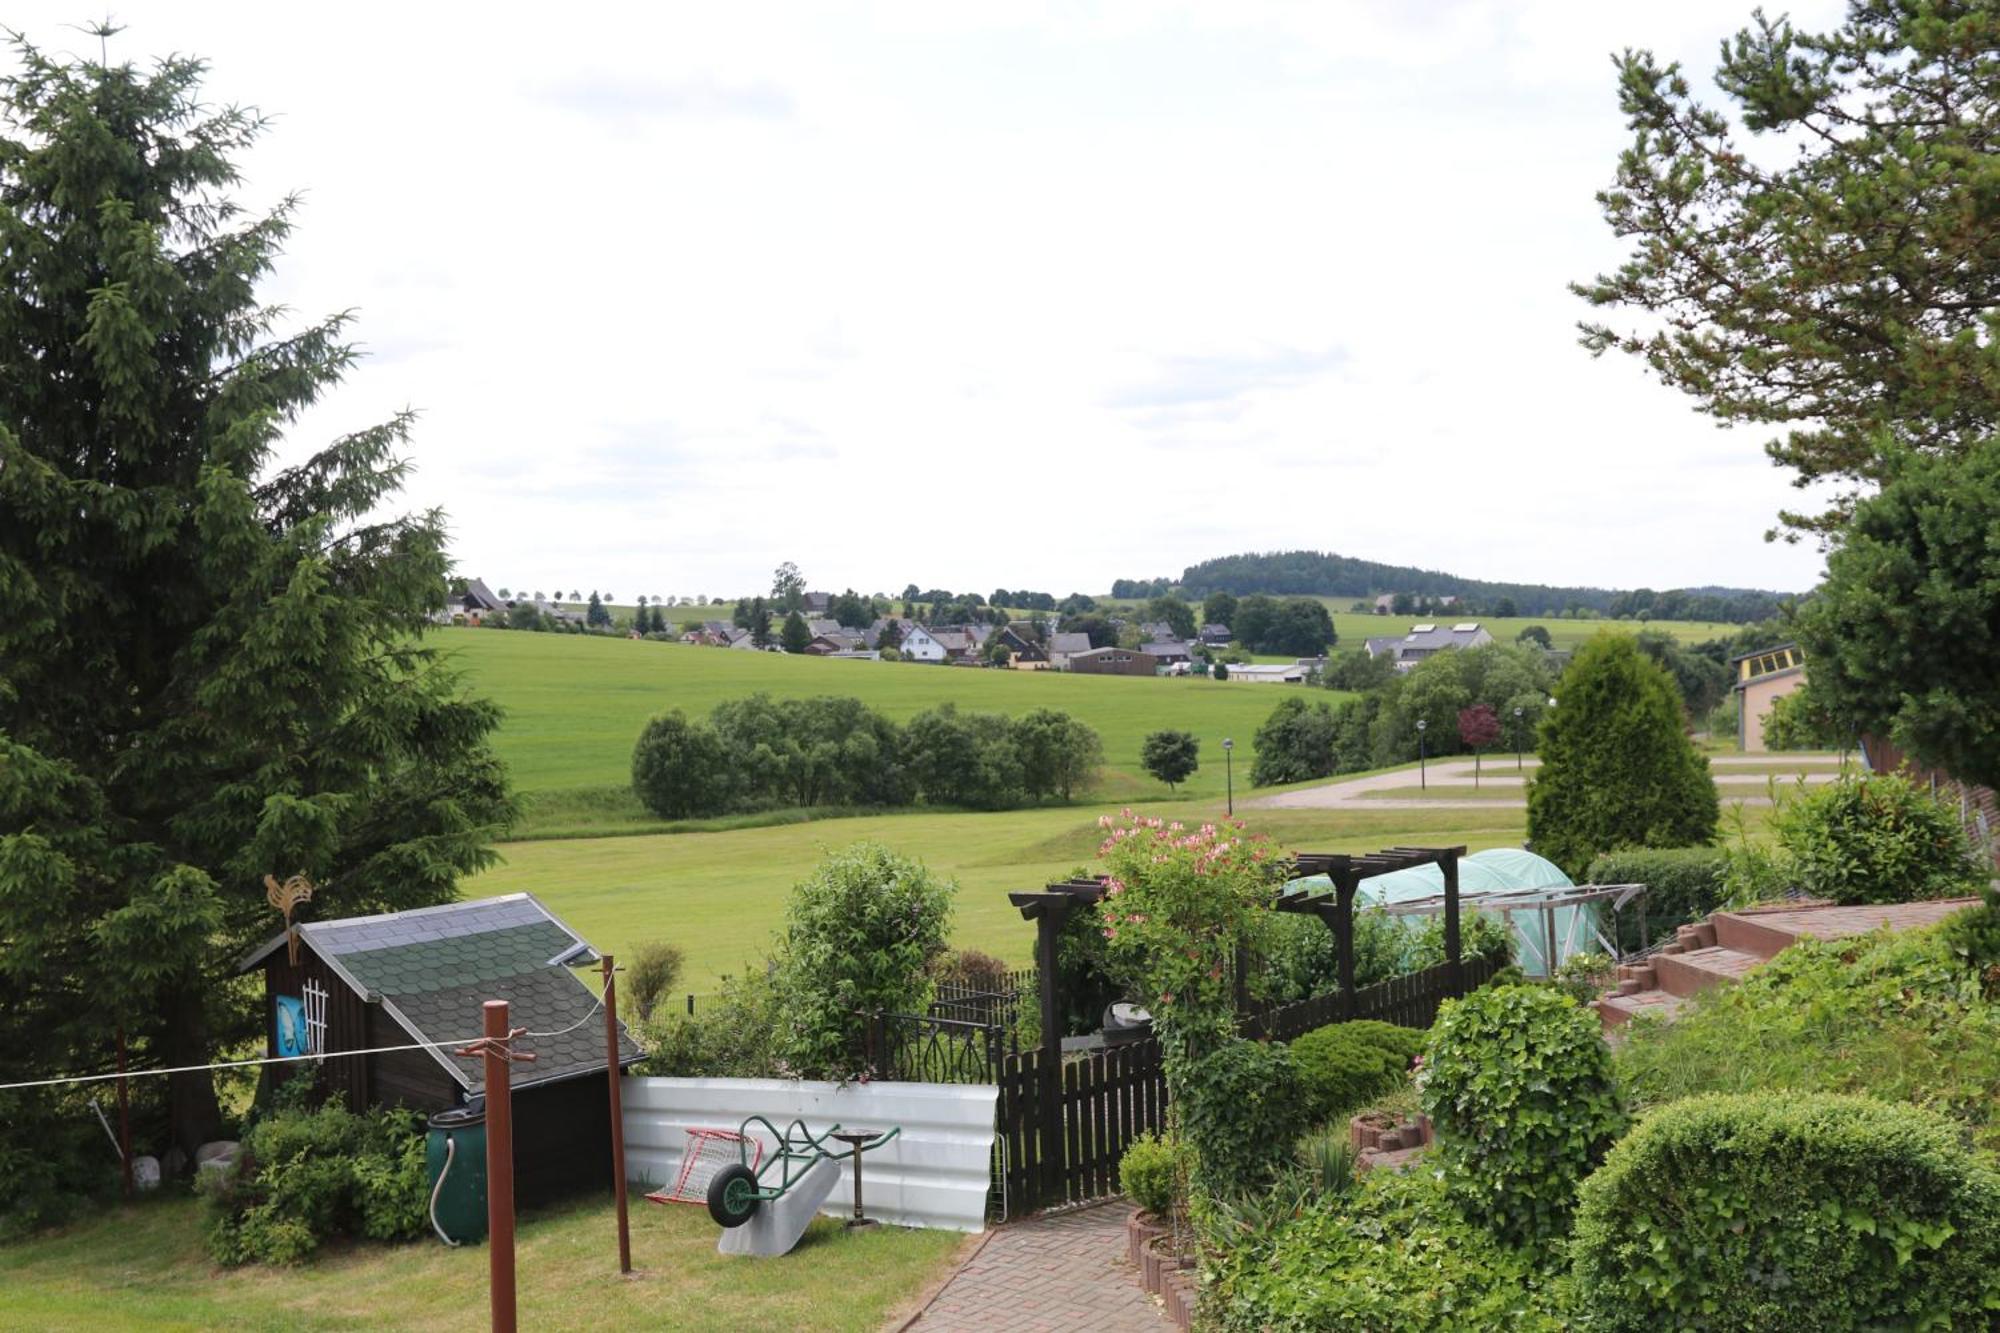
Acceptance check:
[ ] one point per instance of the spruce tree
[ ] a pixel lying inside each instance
(1618, 769)
(212, 667)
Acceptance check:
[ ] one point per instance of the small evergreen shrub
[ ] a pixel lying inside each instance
(1241, 1113)
(1344, 1066)
(1147, 1173)
(1876, 840)
(304, 1177)
(1518, 1084)
(1779, 1211)
(1683, 884)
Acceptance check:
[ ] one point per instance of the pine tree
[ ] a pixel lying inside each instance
(211, 667)
(795, 636)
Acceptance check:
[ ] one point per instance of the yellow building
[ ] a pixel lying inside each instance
(1763, 678)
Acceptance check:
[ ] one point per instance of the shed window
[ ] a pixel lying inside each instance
(315, 996)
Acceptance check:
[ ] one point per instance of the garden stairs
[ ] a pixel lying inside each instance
(1729, 944)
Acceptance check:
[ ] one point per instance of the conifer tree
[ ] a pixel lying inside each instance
(212, 667)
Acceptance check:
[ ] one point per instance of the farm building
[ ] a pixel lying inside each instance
(1113, 662)
(420, 978)
(1763, 678)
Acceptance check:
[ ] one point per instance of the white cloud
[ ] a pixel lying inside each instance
(1035, 295)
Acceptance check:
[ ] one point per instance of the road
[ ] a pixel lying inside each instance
(1739, 777)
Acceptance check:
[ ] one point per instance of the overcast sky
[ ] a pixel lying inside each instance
(1022, 295)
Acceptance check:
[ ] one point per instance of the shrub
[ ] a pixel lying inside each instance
(307, 1176)
(1876, 840)
(739, 1033)
(1893, 1015)
(1517, 1081)
(1296, 742)
(860, 934)
(1148, 1173)
(971, 969)
(1393, 1254)
(679, 768)
(1617, 767)
(1241, 1112)
(650, 974)
(1585, 976)
(1683, 884)
(1819, 1212)
(1343, 1066)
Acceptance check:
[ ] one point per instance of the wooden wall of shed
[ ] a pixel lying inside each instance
(346, 1023)
(406, 1078)
(562, 1139)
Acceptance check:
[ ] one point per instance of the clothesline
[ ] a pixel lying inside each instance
(285, 1059)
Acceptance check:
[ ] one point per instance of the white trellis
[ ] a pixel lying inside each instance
(315, 997)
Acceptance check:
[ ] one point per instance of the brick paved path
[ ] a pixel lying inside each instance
(1048, 1274)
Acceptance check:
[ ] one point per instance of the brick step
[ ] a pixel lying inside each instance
(1744, 933)
(1700, 935)
(1617, 1010)
(1697, 970)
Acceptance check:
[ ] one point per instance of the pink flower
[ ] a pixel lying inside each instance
(1110, 934)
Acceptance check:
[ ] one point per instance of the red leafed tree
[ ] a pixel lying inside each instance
(1478, 727)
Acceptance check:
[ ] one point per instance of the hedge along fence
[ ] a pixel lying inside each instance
(1683, 884)
(1785, 1210)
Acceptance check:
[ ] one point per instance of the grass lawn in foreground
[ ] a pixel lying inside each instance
(142, 1266)
(721, 895)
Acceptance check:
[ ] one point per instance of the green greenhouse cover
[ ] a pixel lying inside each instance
(1498, 870)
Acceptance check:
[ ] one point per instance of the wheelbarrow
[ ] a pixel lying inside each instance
(737, 1191)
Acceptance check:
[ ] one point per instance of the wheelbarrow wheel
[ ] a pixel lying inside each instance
(732, 1195)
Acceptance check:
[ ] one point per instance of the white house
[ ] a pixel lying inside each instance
(919, 646)
(1424, 640)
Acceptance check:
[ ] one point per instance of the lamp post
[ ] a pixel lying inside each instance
(1423, 759)
(1229, 772)
(1518, 711)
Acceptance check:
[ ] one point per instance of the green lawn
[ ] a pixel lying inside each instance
(143, 1267)
(721, 895)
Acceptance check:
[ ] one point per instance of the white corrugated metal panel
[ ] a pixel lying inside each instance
(935, 1174)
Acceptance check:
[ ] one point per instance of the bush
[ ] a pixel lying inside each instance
(1876, 840)
(1617, 767)
(1683, 884)
(1517, 1082)
(307, 1176)
(1344, 1066)
(1892, 1015)
(1240, 1113)
(650, 974)
(1585, 976)
(739, 1033)
(1149, 1173)
(1817, 1212)
(1296, 742)
(1394, 1254)
(861, 933)
(679, 769)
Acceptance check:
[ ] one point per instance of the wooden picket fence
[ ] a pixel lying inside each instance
(1068, 1152)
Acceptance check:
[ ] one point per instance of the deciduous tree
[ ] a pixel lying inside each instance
(1171, 756)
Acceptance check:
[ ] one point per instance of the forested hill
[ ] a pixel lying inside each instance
(1323, 574)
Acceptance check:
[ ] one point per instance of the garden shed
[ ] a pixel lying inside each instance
(419, 978)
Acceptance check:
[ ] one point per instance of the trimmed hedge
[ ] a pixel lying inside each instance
(1241, 1113)
(1782, 1211)
(1147, 1173)
(1517, 1081)
(1683, 884)
(1344, 1066)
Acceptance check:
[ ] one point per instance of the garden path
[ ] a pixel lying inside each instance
(1736, 776)
(1051, 1273)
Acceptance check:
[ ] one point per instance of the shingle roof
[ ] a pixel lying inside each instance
(434, 967)
(1072, 641)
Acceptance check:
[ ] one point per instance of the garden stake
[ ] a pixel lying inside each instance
(617, 1114)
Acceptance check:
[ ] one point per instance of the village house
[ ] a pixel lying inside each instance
(1113, 662)
(1215, 636)
(1168, 653)
(1425, 639)
(1763, 678)
(473, 601)
(919, 645)
(1066, 645)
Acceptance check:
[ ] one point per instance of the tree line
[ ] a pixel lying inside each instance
(761, 753)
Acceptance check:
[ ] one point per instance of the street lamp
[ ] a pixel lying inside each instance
(1229, 772)
(1518, 710)
(1423, 767)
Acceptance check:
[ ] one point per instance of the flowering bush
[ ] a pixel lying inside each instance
(1177, 904)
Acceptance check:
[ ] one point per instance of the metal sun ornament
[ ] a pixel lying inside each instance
(283, 898)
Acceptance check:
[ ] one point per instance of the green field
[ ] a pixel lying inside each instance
(575, 703)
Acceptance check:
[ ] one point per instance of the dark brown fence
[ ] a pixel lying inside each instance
(1106, 1098)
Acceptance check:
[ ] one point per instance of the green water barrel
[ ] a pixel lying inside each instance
(455, 1172)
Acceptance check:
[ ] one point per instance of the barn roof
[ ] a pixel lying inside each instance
(433, 967)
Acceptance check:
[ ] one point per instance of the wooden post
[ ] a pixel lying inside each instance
(499, 1169)
(617, 1114)
(124, 1118)
(1345, 885)
(1453, 950)
(1048, 927)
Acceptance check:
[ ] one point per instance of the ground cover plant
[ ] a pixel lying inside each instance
(1782, 1211)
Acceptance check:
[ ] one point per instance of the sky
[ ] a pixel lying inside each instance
(1018, 295)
